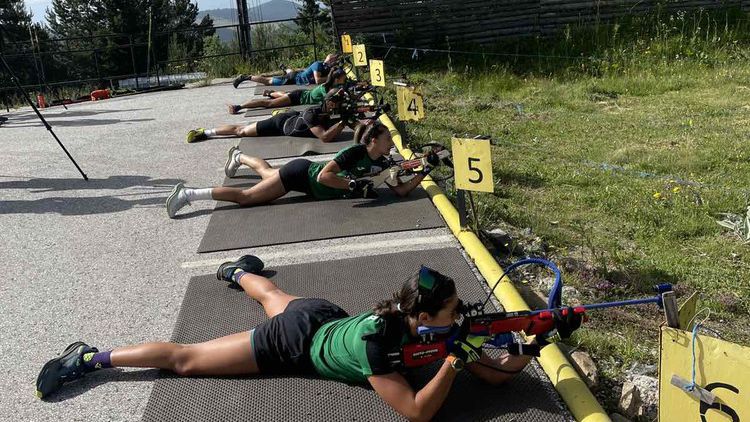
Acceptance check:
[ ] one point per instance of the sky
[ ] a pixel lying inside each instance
(39, 6)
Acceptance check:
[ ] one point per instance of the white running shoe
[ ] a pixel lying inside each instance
(233, 162)
(176, 200)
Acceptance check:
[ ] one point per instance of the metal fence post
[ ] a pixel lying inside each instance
(315, 43)
(132, 60)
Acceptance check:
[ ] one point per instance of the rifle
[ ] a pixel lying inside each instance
(502, 328)
(403, 168)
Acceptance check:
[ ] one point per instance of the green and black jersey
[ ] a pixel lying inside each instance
(354, 348)
(354, 163)
(313, 96)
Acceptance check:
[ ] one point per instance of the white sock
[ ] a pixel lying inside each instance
(198, 194)
(210, 133)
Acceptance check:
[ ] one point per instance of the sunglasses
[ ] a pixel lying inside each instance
(427, 282)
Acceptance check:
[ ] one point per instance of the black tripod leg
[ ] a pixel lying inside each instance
(44, 121)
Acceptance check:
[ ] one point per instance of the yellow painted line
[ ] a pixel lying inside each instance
(581, 402)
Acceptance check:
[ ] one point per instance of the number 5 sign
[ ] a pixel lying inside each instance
(472, 160)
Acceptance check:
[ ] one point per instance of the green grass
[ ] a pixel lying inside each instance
(624, 169)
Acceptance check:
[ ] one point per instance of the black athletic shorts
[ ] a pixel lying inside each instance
(296, 96)
(274, 125)
(282, 344)
(294, 176)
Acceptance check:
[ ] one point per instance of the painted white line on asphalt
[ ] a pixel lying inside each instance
(310, 252)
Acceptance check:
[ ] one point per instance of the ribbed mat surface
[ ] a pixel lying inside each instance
(292, 146)
(299, 218)
(211, 309)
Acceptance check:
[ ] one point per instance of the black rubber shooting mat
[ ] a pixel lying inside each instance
(299, 218)
(284, 88)
(293, 146)
(262, 111)
(211, 309)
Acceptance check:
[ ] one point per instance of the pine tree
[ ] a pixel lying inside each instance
(310, 16)
(123, 21)
(15, 21)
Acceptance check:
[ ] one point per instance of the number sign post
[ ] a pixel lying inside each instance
(410, 103)
(346, 44)
(472, 162)
(377, 73)
(360, 55)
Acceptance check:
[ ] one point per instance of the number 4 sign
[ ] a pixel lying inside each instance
(410, 103)
(472, 160)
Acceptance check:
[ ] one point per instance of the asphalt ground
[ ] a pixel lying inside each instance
(100, 261)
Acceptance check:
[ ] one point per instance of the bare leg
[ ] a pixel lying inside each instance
(273, 299)
(237, 130)
(264, 192)
(230, 355)
(279, 94)
(282, 101)
(259, 165)
(262, 80)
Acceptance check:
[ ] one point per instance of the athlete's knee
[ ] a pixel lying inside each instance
(184, 360)
(244, 198)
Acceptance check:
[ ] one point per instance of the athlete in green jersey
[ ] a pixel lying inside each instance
(277, 99)
(327, 180)
(306, 336)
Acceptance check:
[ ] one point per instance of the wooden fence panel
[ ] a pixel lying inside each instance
(427, 23)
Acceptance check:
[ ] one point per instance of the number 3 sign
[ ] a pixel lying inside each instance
(472, 160)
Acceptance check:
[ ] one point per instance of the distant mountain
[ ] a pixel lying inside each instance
(272, 10)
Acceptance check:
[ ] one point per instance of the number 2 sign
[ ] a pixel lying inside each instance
(472, 160)
(360, 55)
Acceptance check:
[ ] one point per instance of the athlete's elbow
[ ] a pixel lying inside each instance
(419, 415)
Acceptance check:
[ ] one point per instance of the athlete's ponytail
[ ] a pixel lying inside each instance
(415, 296)
(366, 132)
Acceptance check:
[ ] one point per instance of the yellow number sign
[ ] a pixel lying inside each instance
(377, 74)
(721, 367)
(360, 55)
(472, 160)
(346, 44)
(410, 103)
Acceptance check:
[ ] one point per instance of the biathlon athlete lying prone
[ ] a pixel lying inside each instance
(306, 336)
(313, 74)
(313, 96)
(313, 122)
(335, 179)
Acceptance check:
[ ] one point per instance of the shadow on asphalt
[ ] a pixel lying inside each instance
(78, 206)
(76, 123)
(95, 379)
(40, 185)
(30, 115)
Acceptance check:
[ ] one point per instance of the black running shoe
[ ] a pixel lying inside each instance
(238, 80)
(248, 263)
(64, 368)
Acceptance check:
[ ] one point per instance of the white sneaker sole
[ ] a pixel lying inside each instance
(173, 197)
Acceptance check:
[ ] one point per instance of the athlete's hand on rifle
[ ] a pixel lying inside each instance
(362, 188)
(566, 321)
(431, 160)
(467, 346)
